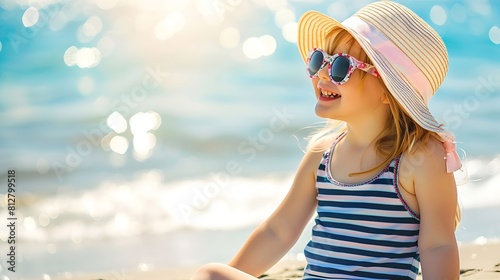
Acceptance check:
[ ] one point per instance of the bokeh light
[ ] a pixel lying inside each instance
(30, 17)
(494, 34)
(206, 10)
(119, 144)
(481, 7)
(89, 29)
(43, 219)
(121, 221)
(42, 165)
(269, 45)
(339, 10)
(29, 223)
(253, 47)
(289, 32)
(283, 17)
(58, 21)
(88, 57)
(83, 58)
(70, 56)
(438, 15)
(458, 13)
(51, 248)
(106, 46)
(144, 142)
(117, 122)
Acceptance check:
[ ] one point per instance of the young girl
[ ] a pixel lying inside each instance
(379, 175)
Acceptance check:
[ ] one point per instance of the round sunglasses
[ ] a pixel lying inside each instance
(340, 65)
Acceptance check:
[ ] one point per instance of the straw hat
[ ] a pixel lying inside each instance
(409, 55)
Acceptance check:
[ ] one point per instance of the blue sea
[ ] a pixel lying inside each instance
(157, 134)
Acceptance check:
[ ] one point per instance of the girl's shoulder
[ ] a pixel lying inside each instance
(425, 159)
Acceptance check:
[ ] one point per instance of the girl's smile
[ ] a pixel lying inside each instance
(327, 94)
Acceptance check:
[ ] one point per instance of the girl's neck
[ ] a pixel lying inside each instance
(361, 134)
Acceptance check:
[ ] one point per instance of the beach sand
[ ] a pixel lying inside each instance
(478, 262)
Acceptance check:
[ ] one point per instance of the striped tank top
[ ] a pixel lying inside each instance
(362, 231)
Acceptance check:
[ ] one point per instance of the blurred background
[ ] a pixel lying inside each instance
(157, 134)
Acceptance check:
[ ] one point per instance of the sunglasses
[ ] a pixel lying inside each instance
(340, 65)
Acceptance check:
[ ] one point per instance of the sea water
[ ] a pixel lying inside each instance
(142, 139)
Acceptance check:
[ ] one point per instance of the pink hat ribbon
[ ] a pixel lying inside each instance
(393, 54)
(452, 160)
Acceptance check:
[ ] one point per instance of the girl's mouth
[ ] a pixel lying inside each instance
(329, 95)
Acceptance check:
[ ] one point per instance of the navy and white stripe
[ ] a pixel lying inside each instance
(362, 231)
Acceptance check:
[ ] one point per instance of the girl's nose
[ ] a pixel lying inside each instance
(323, 73)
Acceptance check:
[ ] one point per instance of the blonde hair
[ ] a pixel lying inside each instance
(400, 134)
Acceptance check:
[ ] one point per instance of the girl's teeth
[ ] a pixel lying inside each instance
(329, 94)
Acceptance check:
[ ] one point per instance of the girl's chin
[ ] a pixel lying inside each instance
(326, 113)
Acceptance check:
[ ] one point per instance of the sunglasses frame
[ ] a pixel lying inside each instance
(329, 59)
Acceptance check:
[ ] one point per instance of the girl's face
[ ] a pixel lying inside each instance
(358, 99)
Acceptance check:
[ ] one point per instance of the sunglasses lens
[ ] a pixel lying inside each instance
(315, 62)
(340, 67)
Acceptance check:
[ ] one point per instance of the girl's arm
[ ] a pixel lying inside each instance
(274, 237)
(437, 199)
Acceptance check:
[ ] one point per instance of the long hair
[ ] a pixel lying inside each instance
(400, 134)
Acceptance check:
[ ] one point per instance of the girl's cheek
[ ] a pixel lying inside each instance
(315, 84)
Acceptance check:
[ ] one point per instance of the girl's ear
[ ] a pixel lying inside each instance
(385, 100)
(385, 92)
